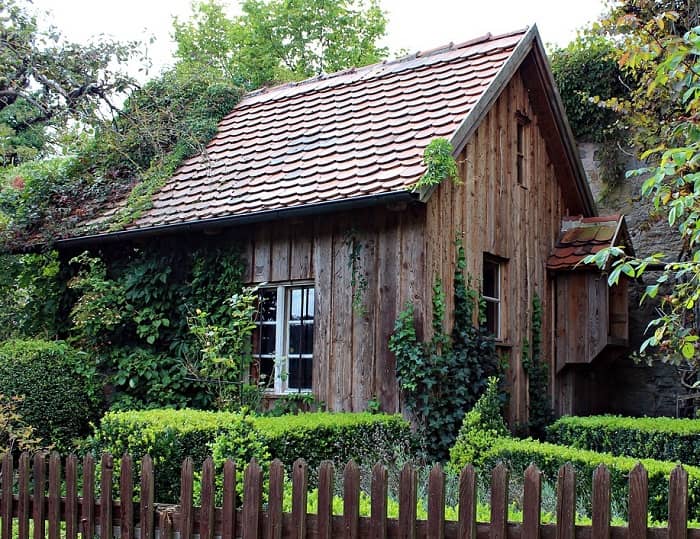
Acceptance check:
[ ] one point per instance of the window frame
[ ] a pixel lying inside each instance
(497, 300)
(521, 121)
(280, 383)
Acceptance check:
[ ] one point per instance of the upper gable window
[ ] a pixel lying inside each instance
(522, 120)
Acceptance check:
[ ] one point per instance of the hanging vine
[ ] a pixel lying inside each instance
(440, 165)
(358, 279)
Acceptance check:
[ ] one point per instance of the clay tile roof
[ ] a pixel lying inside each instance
(582, 236)
(357, 133)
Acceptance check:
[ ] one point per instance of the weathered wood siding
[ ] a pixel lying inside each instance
(495, 215)
(352, 364)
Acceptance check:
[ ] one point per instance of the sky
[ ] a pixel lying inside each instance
(413, 25)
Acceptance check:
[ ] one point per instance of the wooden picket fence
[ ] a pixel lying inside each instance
(61, 512)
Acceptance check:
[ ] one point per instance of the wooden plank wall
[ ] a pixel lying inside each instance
(495, 215)
(352, 364)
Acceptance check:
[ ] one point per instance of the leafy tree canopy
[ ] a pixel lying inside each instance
(46, 82)
(280, 40)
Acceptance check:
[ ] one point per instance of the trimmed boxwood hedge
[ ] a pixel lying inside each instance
(61, 392)
(171, 435)
(661, 438)
(518, 454)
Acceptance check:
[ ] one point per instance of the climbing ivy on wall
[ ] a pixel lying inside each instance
(441, 379)
(540, 413)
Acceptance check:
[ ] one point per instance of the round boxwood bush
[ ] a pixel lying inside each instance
(60, 389)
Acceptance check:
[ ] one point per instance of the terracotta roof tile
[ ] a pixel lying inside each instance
(582, 236)
(354, 133)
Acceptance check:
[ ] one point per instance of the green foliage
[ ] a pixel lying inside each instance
(482, 425)
(59, 389)
(277, 40)
(443, 378)
(661, 438)
(15, 433)
(540, 413)
(440, 165)
(518, 454)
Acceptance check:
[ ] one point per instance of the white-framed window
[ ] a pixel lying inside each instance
(491, 292)
(283, 343)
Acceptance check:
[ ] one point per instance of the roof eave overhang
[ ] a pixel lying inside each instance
(530, 43)
(392, 197)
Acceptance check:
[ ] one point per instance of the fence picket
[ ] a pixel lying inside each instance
(252, 500)
(408, 497)
(106, 480)
(436, 503)
(638, 500)
(87, 524)
(71, 497)
(39, 476)
(23, 502)
(274, 505)
(7, 476)
(299, 495)
(601, 503)
(378, 512)
(186, 509)
(206, 513)
(54, 513)
(146, 507)
(532, 500)
(351, 500)
(678, 504)
(467, 503)
(325, 500)
(499, 502)
(566, 502)
(126, 498)
(228, 508)
(165, 525)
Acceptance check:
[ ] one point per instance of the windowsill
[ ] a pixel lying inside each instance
(271, 394)
(503, 344)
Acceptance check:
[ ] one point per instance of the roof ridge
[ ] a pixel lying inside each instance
(485, 38)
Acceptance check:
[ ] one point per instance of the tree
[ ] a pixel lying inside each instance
(280, 40)
(46, 82)
(664, 111)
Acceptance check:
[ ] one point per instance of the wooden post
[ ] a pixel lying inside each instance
(325, 500)
(38, 498)
(88, 504)
(678, 504)
(54, 513)
(467, 503)
(408, 497)
(206, 514)
(23, 502)
(186, 510)
(274, 505)
(351, 500)
(601, 503)
(146, 507)
(165, 525)
(7, 476)
(126, 498)
(377, 522)
(299, 495)
(638, 500)
(532, 501)
(228, 509)
(106, 474)
(499, 502)
(71, 497)
(566, 502)
(252, 500)
(436, 503)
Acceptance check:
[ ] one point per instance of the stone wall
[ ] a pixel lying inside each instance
(641, 389)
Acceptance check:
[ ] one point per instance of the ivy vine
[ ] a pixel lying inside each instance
(540, 413)
(358, 279)
(440, 165)
(443, 378)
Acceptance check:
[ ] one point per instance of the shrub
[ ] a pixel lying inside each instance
(60, 392)
(482, 425)
(661, 438)
(518, 454)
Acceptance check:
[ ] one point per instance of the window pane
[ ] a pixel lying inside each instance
(300, 373)
(267, 339)
(267, 307)
(310, 304)
(301, 339)
(492, 322)
(267, 371)
(490, 279)
(296, 303)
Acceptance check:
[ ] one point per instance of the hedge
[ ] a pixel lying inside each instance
(661, 438)
(171, 435)
(61, 394)
(518, 454)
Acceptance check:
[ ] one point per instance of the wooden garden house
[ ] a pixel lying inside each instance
(314, 180)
